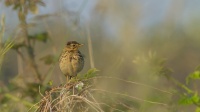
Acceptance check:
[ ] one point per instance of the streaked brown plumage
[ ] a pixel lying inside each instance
(71, 60)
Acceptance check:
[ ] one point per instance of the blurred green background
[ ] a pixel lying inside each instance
(144, 41)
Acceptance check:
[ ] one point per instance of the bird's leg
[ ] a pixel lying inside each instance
(67, 79)
(73, 90)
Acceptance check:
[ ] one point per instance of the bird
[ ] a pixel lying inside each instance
(71, 60)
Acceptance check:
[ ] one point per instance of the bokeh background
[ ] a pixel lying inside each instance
(141, 41)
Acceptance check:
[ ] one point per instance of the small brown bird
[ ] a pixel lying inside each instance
(71, 60)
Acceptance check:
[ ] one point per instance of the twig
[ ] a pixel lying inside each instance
(159, 103)
(137, 83)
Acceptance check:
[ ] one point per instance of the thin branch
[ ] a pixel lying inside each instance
(137, 83)
(152, 102)
(90, 46)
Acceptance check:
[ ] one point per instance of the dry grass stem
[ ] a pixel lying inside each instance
(67, 98)
(137, 83)
(132, 97)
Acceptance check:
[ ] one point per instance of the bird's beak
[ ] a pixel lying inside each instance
(80, 45)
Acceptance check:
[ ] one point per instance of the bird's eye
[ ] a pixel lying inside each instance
(73, 45)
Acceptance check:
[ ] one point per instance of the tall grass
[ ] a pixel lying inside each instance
(4, 46)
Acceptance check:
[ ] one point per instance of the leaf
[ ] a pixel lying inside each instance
(185, 100)
(91, 73)
(50, 83)
(194, 75)
(49, 59)
(40, 37)
(194, 99)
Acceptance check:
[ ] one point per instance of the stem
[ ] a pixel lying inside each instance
(29, 47)
(20, 59)
(90, 47)
(180, 84)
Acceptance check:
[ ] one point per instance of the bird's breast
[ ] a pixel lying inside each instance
(71, 63)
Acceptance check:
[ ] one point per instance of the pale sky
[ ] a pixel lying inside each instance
(154, 11)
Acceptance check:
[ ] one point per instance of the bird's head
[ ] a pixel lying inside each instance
(73, 45)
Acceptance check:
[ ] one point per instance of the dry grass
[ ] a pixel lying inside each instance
(71, 97)
(83, 96)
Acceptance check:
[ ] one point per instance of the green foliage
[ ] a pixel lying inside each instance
(43, 37)
(189, 99)
(90, 74)
(193, 76)
(49, 59)
(85, 77)
(50, 83)
(190, 96)
(19, 89)
(23, 7)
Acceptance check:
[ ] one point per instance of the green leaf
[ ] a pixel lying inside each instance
(50, 83)
(185, 100)
(49, 59)
(192, 99)
(195, 98)
(91, 73)
(43, 37)
(194, 75)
